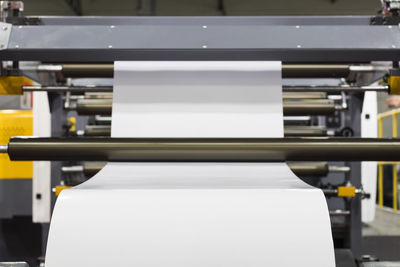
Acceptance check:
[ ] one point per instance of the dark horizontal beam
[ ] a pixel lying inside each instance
(204, 150)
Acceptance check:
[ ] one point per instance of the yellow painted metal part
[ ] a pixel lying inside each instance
(346, 191)
(15, 123)
(11, 85)
(60, 188)
(394, 114)
(72, 124)
(394, 85)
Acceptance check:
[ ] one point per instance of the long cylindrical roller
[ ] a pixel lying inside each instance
(288, 70)
(305, 131)
(304, 95)
(310, 168)
(290, 108)
(204, 150)
(308, 108)
(336, 89)
(300, 168)
(289, 90)
(94, 106)
(97, 130)
(289, 131)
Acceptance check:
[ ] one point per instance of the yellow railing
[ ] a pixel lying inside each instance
(381, 116)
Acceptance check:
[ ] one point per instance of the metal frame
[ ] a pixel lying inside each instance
(298, 39)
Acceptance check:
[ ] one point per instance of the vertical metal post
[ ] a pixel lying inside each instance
(394, 172)
(380, 168)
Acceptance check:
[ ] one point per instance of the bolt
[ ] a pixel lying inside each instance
(298, 46)
(204, 26)
(297, 27)
(204, 46)
(110, 46)
(393, 46)
(16, 46)
(112, 26)
(5, 28)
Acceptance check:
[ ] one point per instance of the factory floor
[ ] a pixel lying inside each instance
(381, 238)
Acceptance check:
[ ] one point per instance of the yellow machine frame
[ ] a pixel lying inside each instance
(394, 114)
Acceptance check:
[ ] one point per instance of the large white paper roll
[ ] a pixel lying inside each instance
(193, 214)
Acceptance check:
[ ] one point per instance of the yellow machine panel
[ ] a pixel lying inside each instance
(15, 123)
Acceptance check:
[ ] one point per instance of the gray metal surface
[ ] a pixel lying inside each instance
(205, 149)
(183, 41)
(15, 197)
(5, 30)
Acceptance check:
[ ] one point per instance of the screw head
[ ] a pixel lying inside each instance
(5, 28)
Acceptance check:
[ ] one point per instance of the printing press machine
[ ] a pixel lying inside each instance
(328, 64)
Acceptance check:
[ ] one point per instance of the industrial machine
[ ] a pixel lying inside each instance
(329, 64)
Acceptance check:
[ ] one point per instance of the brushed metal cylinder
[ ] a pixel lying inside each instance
(88, 70)
(308, 108)
(305, 131)
(309, 168)
(288, 70)
(304, 95)
(205, 149)
(290, 108)
(91, 168)
(97, 130)
(94, 106)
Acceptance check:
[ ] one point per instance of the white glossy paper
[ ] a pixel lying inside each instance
(193, 214)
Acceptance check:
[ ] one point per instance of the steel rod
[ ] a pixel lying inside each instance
(205, 150)
(336, 89)
(317, 169)
(339, 212)
(304, 95)
(289, 131)
(306, 131)
(60, 89)
(288, 70)
(285, 88)
(294, 108)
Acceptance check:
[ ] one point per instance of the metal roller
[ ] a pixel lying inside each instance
(315, 168)
(305, 131)
(309, 108)
(310, 168)
(97, 130)
(318, 169)
(94, 106)
(288, 90)
(88, 168)
(290, 131)
(98, 95)
(304, 95)
(288, 70)
(88, 70)
(290, 108)
(204, 149)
